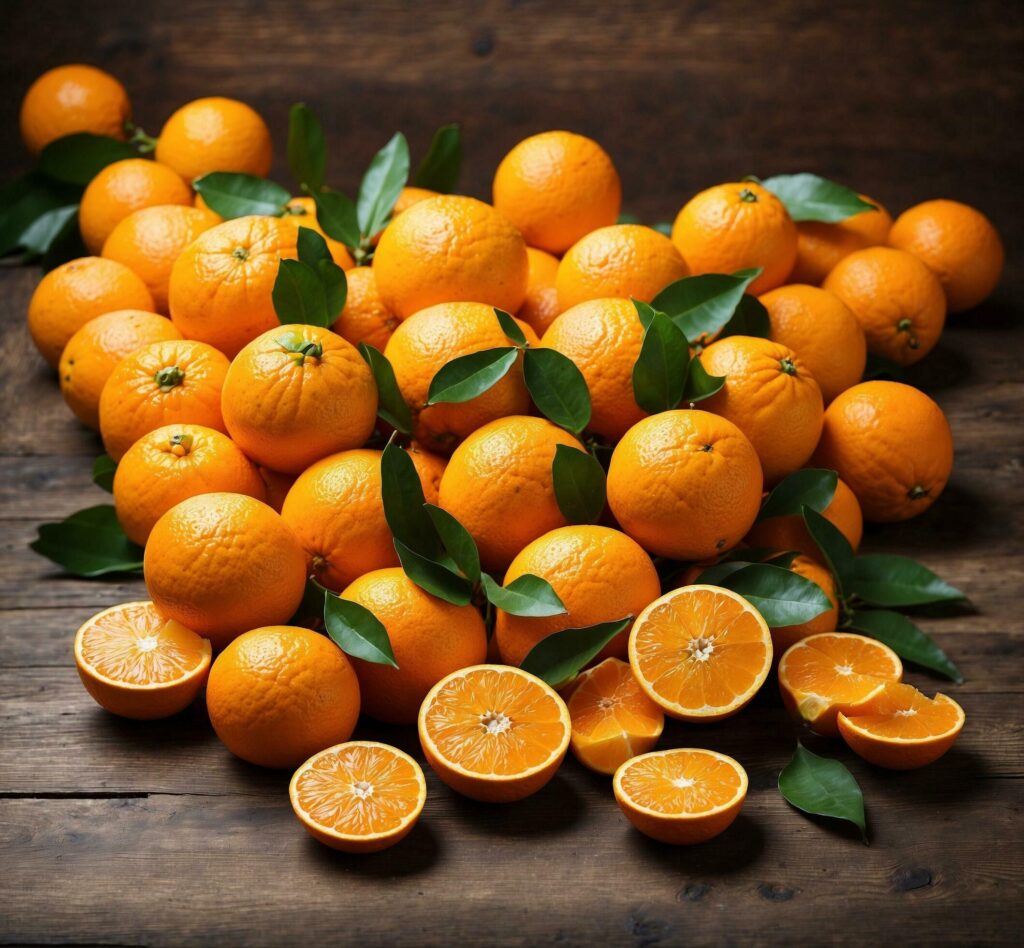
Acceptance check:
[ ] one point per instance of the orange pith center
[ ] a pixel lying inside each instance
(608, 706)
(681, 783)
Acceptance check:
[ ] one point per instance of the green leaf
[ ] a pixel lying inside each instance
(750, 319)
(44, 231)
(336, 215)
(89, 543)
(906, 640)
(65, 245)
(307, 148)
(557, 658)
(103, 470)
(511, 328)
(458, 542)
(391, 406)
(234, 194)
(25, 200)
(557, 388)
(884, 579)
(625, 218)
(439, 169)
(579, 482)
(434, 577)
(834, 547)
(810, 487)
(701, 305)
(662, 227)
(699, 384)
(659, 374)
(299, 295)
(404, 503)
(382, 183)
(313, 252)
(527, 595)
(357, 631)
(878, 367)
(78, 158)
(823, 787)
(471, 375)
(780, 595)
(645, 311)
(717, 573)
(809, 197)
(312, 248)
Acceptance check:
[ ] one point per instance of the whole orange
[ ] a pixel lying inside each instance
(541, 304)
(365, 318)
(301, 212)
(820, 246)
(784, 636)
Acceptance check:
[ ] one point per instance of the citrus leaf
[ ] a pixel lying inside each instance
(809, 487)
(78, 158)
(717, 573)
(311, 247)
(809, 197)
(439, 169)
(299, 296)
(526, 595)
(63, 245)
(25, 200)
(357, 631)
(626, 218)
(46, 229)
(557, 388)
(557, 658)
(511, 328)
(307, 148)
(89, 543)
(404, 503)
(391, 406)
(382, 183)
(233, 194)
(750, 319)
(884, 579)
(579, 482)
(702, 305)
(103, 471)
(906, 640)
(659, 374)
(336, 215)
(645, 311)
(434, 577)
(699, 384)
(470, 375)
(822, 787)
(458, 542)
(780, 595)
(662, 227)
(834, 547)
(335, 285)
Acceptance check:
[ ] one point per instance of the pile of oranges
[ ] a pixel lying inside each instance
(387, 462)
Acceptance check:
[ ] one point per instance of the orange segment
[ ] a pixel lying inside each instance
(359, 797)
(138, 664)
(832, 672)
(612, 717)
(493, 732)
(681, 796)
(700, 652)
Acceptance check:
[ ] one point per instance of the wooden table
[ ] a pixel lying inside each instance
(122, 833)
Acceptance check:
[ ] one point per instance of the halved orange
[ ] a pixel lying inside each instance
(835, 671)
(901, 729)
(681, 796)
(612, 717)
(700, 652)
(138, 664)
(359, 797)
(493, 732)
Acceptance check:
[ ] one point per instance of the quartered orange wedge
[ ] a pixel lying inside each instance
(359, 797)
(138, 664)
(835, 671)
(700, 652)
(493, 732)
(901, 729)
(681, 796)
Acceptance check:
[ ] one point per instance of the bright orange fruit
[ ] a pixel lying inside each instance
(820, 246)
(540, 307)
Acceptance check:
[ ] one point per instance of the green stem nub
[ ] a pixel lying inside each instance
(917, 492)
(748, 196)
(905, 325)
(168, 377)
(787, 366)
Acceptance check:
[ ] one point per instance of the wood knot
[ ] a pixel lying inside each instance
(776, 893)
(906, 880)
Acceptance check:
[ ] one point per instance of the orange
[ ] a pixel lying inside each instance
(359, 797)
(173, 463)
(137, 664)
(150, 240)
(771, 396)
(221, 285)
(626, 260)
(301, 212)
(431, 638)
(958, 244)
(556, 187)
(215, 134)
(93, 352)
(409, 196)
(822, 331)
(450, 248)
(541, 304)
(499, 486)
(494, 733)
(279, 694)
(161, 383)
(224, 564)
(681, 796)
(734, 227)
(426, 342)
(891, 444)
(296, 394)
(820, 246)
(901, 729)
(70, 99)
(685, 484)
(612, 718)
(784, 636)
(898, 300)
(365, 318)
(821, 675)
(600, 575)
(430, 468)
(123, 187)
(603, 338)
(75, 292)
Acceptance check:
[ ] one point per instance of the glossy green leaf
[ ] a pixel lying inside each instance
(233, 194)
(439, 169)
(511, 328)
(809, 197)
(40, 236)
(404, 504)
(313, 251)
(89, 543)
(906, 640)
(579, 482)
(701, 305)
(471, 375)
(24, 200)
(458, 542)
(717, 573)
(645, 312)
(527, 595)
(299, 296)
(750, 319)
(699, 384)
(833, 545)
(357, 631)
(336, 214)
(884, 579)
(557, 658)
(311, 247)
(78, 158)
(307, 148)
(659, 374)
(822, 787)
(391, 406)
(383, 181)
(103, 470)
(780, 595)
(434, 577)
(808, 487)
(557, 388)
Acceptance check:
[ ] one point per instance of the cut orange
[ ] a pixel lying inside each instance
(901, 729)
(138, 664)
(681, 796)
(612, 717)
(700, 652)
(493, 732)
(836, 671)
(359, 797)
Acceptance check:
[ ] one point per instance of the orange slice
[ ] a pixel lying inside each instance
(901, 729)
(138, 664)
(493, 732)
(612, 717)
(700, 652)
(681, 796)
(359, 797)
(835, 671)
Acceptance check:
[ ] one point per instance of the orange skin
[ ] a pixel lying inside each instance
(499, 486)
(891, 444)
(820, 246)
(430, 467)
(958, 244)
(556, 187)
(898, 300)
(540, 307)
(221, 285)
(75, 292)
(173, 463)
(93, 353)
(450, 248)
(770, 395)
(365, 318)
(301, 212)
(624, 260)
(279, 694)
(221, 564)
(296, 394)
(72, 99)
(685, 484)
(162, 383)
(736, 226)
(600, 575)
(784, 636)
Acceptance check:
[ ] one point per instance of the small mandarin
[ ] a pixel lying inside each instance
(365, 318)
(820, 246)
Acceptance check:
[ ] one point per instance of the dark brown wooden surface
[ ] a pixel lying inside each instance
(120, 833)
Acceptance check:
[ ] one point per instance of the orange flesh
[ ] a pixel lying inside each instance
(681, 782)
(902, 713)
(843, 668)
(609, 704)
